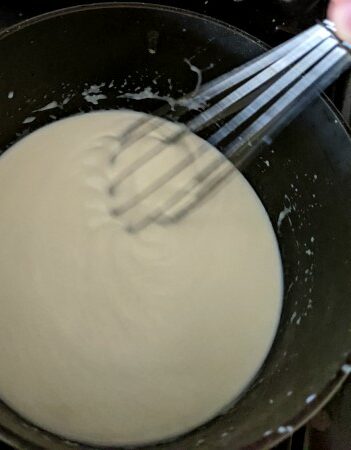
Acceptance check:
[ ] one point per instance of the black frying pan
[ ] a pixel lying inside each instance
(307, 169)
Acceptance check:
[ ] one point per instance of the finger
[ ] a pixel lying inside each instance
(339, 12)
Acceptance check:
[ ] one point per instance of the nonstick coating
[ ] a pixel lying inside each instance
(303, 179)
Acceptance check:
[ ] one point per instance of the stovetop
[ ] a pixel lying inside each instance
(272, 21)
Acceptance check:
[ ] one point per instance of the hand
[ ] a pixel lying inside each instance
(339, 12)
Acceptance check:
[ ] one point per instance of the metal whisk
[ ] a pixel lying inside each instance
(253, 102)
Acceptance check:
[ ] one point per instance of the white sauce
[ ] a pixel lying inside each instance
(109, 337)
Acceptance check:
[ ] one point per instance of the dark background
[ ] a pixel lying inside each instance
(270, 20)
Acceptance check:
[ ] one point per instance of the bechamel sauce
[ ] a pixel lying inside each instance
(109, 337)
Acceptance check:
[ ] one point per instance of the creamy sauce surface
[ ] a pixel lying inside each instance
(111, 337)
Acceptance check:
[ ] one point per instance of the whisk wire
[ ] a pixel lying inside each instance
(291, 75)
(285, 108)
(274, 90)
(226, 105)
(219, 85)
